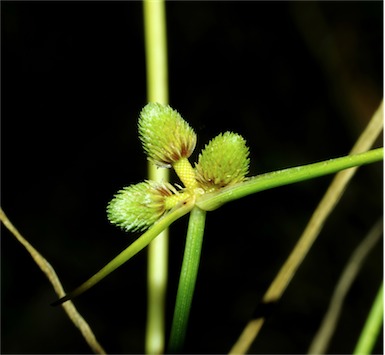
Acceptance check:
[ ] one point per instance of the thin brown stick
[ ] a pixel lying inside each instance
(48, 270)
(311, 232)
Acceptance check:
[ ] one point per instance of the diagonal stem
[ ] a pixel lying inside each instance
(313, 228)
(329, 323)
(130, 251)
(213, 200)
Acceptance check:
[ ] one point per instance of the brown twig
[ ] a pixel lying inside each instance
(49, 271)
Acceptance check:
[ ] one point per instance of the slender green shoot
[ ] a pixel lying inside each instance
(131, 250)
(187, 279)
(212, 201)
(157, 91)
(372, 326)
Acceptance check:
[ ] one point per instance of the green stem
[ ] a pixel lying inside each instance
(130, 251)
(212, 201)
(156, 50)
(157, 91)
(372, 326)
(187, 279)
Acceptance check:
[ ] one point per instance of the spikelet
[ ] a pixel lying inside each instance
(139, 206)
(166, 137)
(224, 161)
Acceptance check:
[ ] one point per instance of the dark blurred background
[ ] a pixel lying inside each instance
(299, 80)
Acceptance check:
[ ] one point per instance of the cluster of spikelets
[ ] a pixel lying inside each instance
(169, 141)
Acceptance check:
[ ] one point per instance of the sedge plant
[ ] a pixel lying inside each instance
(219, 176)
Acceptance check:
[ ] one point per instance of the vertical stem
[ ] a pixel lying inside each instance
(188, 278)
(157, 91)
(156, 50)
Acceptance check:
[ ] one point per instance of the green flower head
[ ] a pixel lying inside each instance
(165, 135)
(224, 161)
(139, 206)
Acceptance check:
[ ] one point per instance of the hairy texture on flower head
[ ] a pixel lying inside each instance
(224, 161)
(137, 207)
(165, 135)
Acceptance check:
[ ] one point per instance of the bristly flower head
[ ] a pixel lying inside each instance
(165, 135)
(137, 207)
(224, 161)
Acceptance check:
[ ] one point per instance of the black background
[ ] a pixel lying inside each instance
(299, 80)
